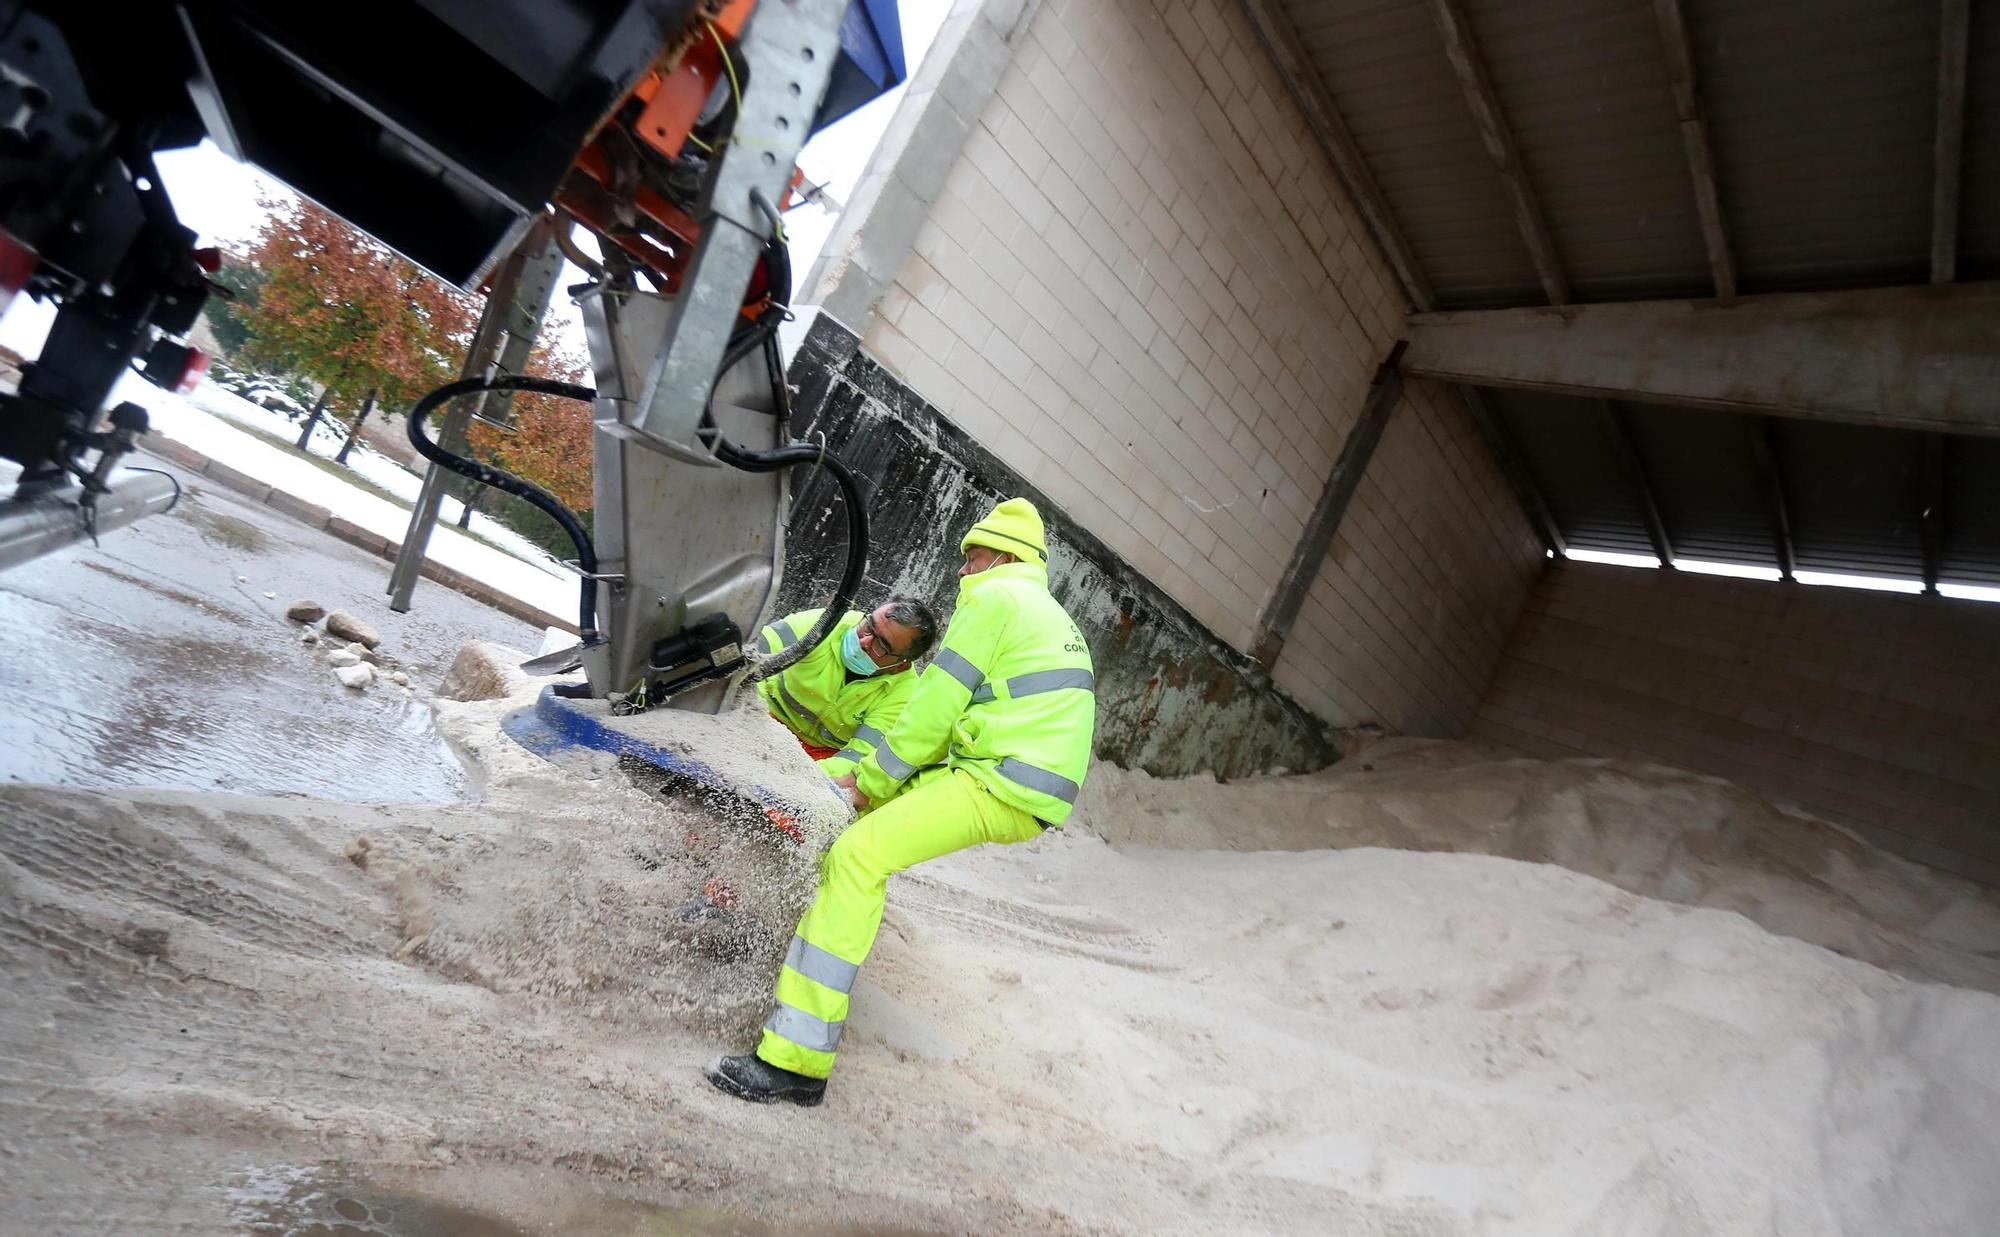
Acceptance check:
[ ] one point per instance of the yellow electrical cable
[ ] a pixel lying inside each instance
(735, 87)
(736, 92)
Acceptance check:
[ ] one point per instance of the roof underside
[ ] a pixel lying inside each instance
(1822, 117)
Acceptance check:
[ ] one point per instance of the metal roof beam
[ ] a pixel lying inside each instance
(1295, 68)
(1922, 357)
(1625, 445)
(1934, 527)
(1955, 18)
(1694, 136)
(1462, 50)
(1514, 466)
(1771, 476)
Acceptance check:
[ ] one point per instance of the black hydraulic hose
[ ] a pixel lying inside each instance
(737, 456)
(764, 333)
(528, 491)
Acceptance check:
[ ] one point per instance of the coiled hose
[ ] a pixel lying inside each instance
(506, 482)
(729, 452)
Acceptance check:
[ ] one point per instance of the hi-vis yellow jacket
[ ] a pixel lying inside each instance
(820, 704)
(1008, 697)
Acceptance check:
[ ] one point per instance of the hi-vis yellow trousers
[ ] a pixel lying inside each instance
(942, 810)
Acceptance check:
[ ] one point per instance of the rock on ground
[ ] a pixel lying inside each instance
(305, 612)
(483, 671)
(358, 675)
(344, 625)
(342, 658)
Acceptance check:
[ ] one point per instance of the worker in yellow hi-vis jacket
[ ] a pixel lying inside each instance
(991, 748)
(841, 697)
(836, 700)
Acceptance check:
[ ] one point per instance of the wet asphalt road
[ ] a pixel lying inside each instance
(156, 660)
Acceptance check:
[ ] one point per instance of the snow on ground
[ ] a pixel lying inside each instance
(213, 421)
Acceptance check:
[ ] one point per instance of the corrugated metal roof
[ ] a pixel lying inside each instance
(1566, 448)
(1712, 498)
(1972, 511)
(1855, 494)
(1979, 198)
(1822, 117)
(1585, 91)
(1857, 497)
(1822, 114)
(1383, 65)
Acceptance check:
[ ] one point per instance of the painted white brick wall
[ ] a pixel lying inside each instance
(1143, 287)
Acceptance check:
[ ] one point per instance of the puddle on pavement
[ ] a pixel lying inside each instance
(176, 695)
(288, 1200)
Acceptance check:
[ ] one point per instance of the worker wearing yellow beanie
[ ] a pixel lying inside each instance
(992, 747)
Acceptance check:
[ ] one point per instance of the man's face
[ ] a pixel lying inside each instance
(979, 557)
(886, 641)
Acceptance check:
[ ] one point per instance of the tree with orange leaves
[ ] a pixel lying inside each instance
(340, 310)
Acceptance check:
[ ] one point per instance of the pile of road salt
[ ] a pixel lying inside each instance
(1434, 991)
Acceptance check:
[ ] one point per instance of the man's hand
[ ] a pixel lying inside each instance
(846, 782)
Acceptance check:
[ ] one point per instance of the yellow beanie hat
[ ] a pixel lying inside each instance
(1014, 527)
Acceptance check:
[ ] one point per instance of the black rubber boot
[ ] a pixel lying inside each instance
(749, 1077)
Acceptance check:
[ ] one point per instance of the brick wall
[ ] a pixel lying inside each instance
(1878, 711)
(1142, 287)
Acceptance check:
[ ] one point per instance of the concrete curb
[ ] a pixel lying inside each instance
(315, 516)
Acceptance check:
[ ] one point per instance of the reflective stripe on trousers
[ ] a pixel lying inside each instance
(944, 811)
(803, 1029)
(820, 966)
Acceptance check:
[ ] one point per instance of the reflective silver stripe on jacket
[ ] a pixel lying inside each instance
(968, 675)
(1021, 773)
(827, 737)
(820, 966)
(892, 764)
(1037, 681)
(862, 734)
(803, 1029)
(792, 703)
(786, 636)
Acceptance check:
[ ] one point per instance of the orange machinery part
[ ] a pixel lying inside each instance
(673, 94)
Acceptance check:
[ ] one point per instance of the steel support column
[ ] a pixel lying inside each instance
(1275, 624)
(516, 302)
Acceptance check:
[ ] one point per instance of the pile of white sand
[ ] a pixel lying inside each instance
(1257, 1008)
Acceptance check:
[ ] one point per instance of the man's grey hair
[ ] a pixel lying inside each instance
(919, 618)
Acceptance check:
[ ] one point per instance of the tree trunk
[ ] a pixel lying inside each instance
(355, 432)
(305, 435)
(471, 502)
